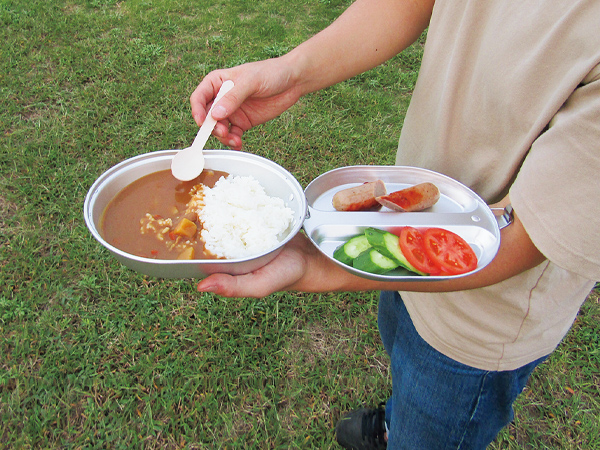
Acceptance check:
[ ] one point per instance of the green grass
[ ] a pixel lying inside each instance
(93, 355)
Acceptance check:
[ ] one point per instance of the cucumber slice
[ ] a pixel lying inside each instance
(373, 262)
(345, 253)
(388, 245)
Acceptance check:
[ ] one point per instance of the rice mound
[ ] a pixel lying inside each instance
(239, 219)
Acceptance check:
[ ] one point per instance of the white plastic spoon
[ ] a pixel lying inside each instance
(188, 163)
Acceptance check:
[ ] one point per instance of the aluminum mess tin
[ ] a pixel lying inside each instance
(459, 210)
(276, 181)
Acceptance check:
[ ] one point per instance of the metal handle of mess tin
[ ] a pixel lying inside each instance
(504, 216)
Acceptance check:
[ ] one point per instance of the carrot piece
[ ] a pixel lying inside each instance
(188, 253)
(185, 228)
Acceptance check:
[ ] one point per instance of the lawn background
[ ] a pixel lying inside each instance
(93, 355)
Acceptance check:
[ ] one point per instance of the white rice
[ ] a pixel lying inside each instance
(240, 220)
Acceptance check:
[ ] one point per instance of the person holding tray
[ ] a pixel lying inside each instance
(508, 103)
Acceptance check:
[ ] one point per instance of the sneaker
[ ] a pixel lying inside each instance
(363, 429)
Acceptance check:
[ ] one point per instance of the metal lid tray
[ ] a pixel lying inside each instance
(459, 209)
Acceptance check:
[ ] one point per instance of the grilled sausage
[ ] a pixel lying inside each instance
(414, 198)
(359, 198)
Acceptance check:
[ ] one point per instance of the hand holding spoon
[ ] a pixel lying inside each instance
(188, 163)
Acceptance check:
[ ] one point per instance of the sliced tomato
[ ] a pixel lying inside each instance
(396, 230)
(412, 245)
(449, 251)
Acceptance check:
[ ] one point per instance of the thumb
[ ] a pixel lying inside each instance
(228, 104)
(206, 93)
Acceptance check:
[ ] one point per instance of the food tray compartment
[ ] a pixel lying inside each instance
(459, 210)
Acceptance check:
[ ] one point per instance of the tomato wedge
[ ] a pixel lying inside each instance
(449, 251)
(412, 245)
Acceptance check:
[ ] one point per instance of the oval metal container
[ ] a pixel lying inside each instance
(276, 181)
(459, 209)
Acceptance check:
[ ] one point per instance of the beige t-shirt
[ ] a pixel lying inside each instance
(508, 101)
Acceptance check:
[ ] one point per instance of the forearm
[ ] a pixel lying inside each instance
(302, 267)
(516, 254)
(367, 34)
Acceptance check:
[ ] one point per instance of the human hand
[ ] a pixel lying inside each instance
(262, 91)
(298, 267)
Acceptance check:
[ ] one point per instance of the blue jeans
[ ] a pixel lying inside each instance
(438, 403)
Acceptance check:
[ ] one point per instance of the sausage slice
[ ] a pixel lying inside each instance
(359, 198)
(414, 198)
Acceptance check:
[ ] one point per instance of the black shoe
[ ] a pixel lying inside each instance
(363, 429)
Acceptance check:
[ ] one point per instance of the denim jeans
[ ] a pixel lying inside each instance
(438, 403)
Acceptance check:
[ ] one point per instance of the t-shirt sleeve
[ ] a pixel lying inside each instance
(557, 191)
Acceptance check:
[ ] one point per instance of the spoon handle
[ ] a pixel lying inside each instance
(209, 123)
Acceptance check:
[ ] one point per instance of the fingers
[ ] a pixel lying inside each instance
(225, 111)
(257, 284)
(234, 138)
(203, 96)
(273, 277)
(229, 135)
(231, 286)
(281, 274)
(200, 99)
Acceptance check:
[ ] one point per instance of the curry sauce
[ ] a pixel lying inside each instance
(150, 217)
